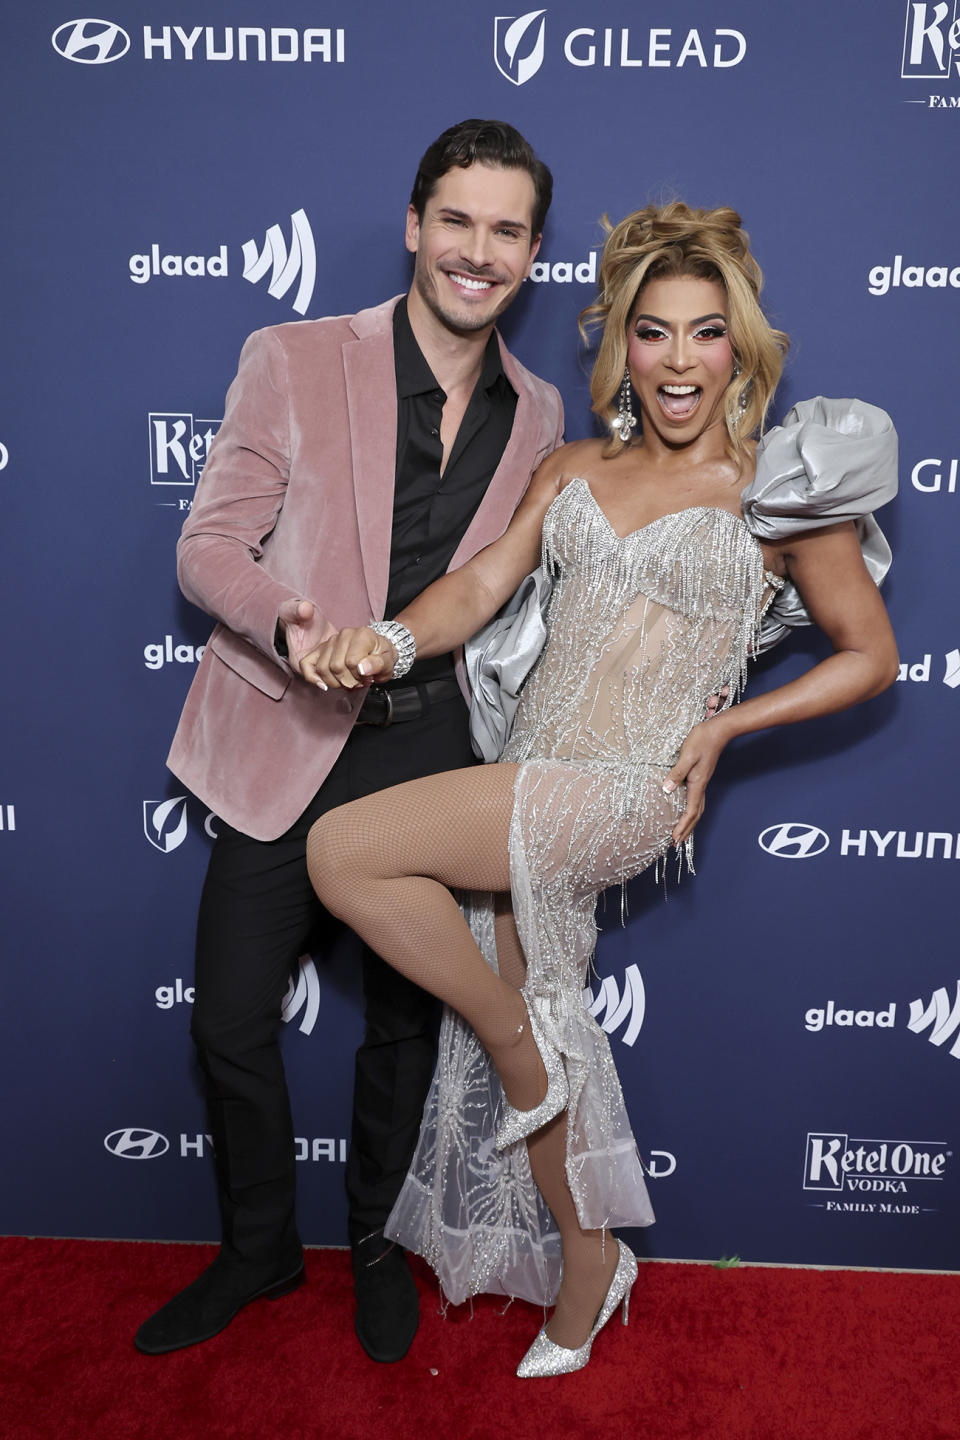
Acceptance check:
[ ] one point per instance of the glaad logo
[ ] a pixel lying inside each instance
(943, 1019)
(90, 42)
(97, 42)
(912, 277)
(8, 814)
(303, 993)
(919, 672)
(136, 1144)
(815, 1019)
(509, 33)
(167, 996)
(616, 1009)
(301, 259)
(793, 840)
(286, 265)
(659, 1165)
(931, 41)
(518, 47)
(157, 655)
(4, 456)
(835, 1164)
(564, 272)
(165, 823)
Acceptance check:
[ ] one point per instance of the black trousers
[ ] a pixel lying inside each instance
(258, 912)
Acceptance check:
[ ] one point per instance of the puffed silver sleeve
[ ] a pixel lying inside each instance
(830, 460)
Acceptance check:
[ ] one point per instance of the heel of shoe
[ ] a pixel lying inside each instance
(626, 1308)
(518, 1124)
(284, 1287)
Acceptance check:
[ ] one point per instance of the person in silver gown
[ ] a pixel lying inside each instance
(679, 546)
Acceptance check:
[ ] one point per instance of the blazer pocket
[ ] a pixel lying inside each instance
(249, 663)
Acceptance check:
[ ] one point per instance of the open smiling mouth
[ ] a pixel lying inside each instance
(471, 283)
(679, 401)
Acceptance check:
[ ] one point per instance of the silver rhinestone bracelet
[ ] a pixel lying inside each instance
(401, 640)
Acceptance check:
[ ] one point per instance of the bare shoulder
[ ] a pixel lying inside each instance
(576, 458)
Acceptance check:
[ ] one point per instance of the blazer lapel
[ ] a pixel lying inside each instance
(370, 378)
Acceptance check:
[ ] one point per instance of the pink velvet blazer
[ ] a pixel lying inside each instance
(296, 500)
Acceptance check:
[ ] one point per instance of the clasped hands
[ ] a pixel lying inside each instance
(356, 657)
(333, 659)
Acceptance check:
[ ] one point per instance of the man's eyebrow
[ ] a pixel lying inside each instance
(498, 224)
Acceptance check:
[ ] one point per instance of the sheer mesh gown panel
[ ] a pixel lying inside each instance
(642, 629)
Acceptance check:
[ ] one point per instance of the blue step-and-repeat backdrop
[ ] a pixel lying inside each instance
(786, 1023)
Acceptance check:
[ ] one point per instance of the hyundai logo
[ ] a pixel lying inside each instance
(90, 42)
(136, 1144)
(793, 841)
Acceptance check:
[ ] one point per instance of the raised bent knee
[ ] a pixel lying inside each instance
(328, 861)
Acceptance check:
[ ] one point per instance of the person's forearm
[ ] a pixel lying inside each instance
(450, 610)
(837, 683)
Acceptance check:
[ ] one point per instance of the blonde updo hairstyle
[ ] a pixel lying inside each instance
(667, 241)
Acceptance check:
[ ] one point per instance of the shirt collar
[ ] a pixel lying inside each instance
(414, 376)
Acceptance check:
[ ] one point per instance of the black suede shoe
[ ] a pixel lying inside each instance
(388, 1307)
(207, 1306)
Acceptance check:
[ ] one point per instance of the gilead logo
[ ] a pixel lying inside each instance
(519, 47)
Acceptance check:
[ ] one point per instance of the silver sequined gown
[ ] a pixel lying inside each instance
(642, 629)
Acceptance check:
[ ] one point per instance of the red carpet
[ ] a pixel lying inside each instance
(710, 1354)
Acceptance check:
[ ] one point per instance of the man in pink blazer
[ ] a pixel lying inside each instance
(359, 457)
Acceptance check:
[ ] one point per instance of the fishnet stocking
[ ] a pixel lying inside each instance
(383, 864)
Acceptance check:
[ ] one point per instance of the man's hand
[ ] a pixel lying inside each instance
(349, 659)
(303, 629)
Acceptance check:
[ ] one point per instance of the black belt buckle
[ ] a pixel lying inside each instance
(377, 693)
(388, 718)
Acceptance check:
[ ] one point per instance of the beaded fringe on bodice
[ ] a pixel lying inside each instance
(642, 629)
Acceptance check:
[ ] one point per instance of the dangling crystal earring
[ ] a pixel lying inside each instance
(744, 400)
(626, 420)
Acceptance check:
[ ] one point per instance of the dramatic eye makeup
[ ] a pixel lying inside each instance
(707, 328)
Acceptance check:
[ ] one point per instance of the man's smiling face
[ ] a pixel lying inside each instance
(474, 245)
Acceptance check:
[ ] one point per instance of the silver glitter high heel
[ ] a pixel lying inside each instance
(545, 1358)
(518, 1124)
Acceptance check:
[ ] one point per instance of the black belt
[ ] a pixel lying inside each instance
(387, 705)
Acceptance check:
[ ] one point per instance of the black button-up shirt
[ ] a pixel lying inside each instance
(431, 511)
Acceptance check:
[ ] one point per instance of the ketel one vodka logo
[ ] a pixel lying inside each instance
(835, 1163)
(931, 42)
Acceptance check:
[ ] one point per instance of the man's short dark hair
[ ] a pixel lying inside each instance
(483, 142)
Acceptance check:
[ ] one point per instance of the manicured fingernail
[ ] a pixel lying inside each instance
(321, 685)
(363, 668)
(669, 786)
